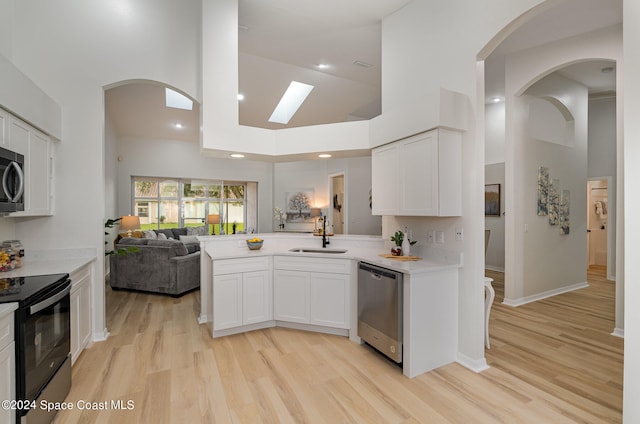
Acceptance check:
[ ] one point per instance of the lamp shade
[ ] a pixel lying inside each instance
(129, 223)
(213, 219)
(315, 212)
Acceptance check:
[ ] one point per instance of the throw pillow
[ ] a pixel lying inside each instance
(177, 232)
(192, 247)
(161, 236)
(189, 239)
(177, 247)
(150, 234)
(166, 231)
(197, 231)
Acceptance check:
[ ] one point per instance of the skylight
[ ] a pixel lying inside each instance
(177, 100)
(290, 102)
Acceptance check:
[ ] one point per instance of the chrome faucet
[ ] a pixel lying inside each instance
(325, 239)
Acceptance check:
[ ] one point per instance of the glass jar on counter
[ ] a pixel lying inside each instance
(18, 251)
(7, 259)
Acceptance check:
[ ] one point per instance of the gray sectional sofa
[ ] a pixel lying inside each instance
(168, 266)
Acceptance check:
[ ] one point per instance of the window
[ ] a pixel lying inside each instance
(170, 203)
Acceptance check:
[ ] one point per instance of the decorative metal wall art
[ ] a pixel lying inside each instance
(553, 202)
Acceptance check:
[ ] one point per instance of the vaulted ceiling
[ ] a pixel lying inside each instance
(284, 40)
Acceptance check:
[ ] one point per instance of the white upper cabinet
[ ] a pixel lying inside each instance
(4, 119)
(35, 146)
(418, 176)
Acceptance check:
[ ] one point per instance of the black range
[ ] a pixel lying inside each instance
(42, 341)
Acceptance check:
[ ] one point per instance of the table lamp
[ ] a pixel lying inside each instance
(213, 219)
(315, 213)
(129, 223)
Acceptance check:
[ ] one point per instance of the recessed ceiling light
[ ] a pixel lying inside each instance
(324, 155)
(240, 96)
(176, 100)
(237, 155)
(496, 99)
(323, 66)
(290, 102)
(178, 125)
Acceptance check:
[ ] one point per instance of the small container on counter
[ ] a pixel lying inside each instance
(7, 259)
(18, 251)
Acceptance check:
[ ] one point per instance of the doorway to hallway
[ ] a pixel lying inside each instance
(598, 224)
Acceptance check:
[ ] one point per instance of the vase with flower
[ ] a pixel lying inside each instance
(278, 214)
(398, 238)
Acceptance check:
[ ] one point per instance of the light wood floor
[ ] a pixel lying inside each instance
(553, 361)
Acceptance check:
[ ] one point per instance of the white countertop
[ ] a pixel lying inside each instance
(58, 261)
(432, 259)
(7, 308)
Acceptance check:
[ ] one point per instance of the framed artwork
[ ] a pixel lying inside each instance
(298, 205)
(492, 200)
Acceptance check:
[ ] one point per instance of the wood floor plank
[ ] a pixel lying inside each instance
(551, 361)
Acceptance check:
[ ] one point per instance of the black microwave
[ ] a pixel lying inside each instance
(12, 172)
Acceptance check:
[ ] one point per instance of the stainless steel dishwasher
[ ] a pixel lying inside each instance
(380, 309)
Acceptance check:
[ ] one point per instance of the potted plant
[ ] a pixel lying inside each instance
(398, 238)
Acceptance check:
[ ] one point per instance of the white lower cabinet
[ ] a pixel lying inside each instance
(329, 300)
(291, 296)
(311, 290)
(242, 292)
(7, 361)
(8, 381)
(80, 310)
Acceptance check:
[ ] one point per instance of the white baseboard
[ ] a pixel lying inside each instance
(618, 332)
(534, 297)
(100, 336)
(203, 319)
(477, 365)
(494, 268)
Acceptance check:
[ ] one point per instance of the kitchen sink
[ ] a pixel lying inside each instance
(318, 250)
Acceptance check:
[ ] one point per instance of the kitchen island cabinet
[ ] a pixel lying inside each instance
(311, 290)
(242, 295)
(317, 291)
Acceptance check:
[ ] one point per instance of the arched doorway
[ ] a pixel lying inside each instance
(522, 70)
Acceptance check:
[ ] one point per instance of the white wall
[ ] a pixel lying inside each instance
(426, 45)
(300, 176)
(552, 261)
(291, 176)
(601, 162)
(494, 259)
(358, 186)
(630, 233)
(182, 159)
(494, 133)
(87, 47)
(521, 263)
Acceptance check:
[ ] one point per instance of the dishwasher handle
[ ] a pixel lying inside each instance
(378, 272)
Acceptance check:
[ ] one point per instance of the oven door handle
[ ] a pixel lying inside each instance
(34, 309)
